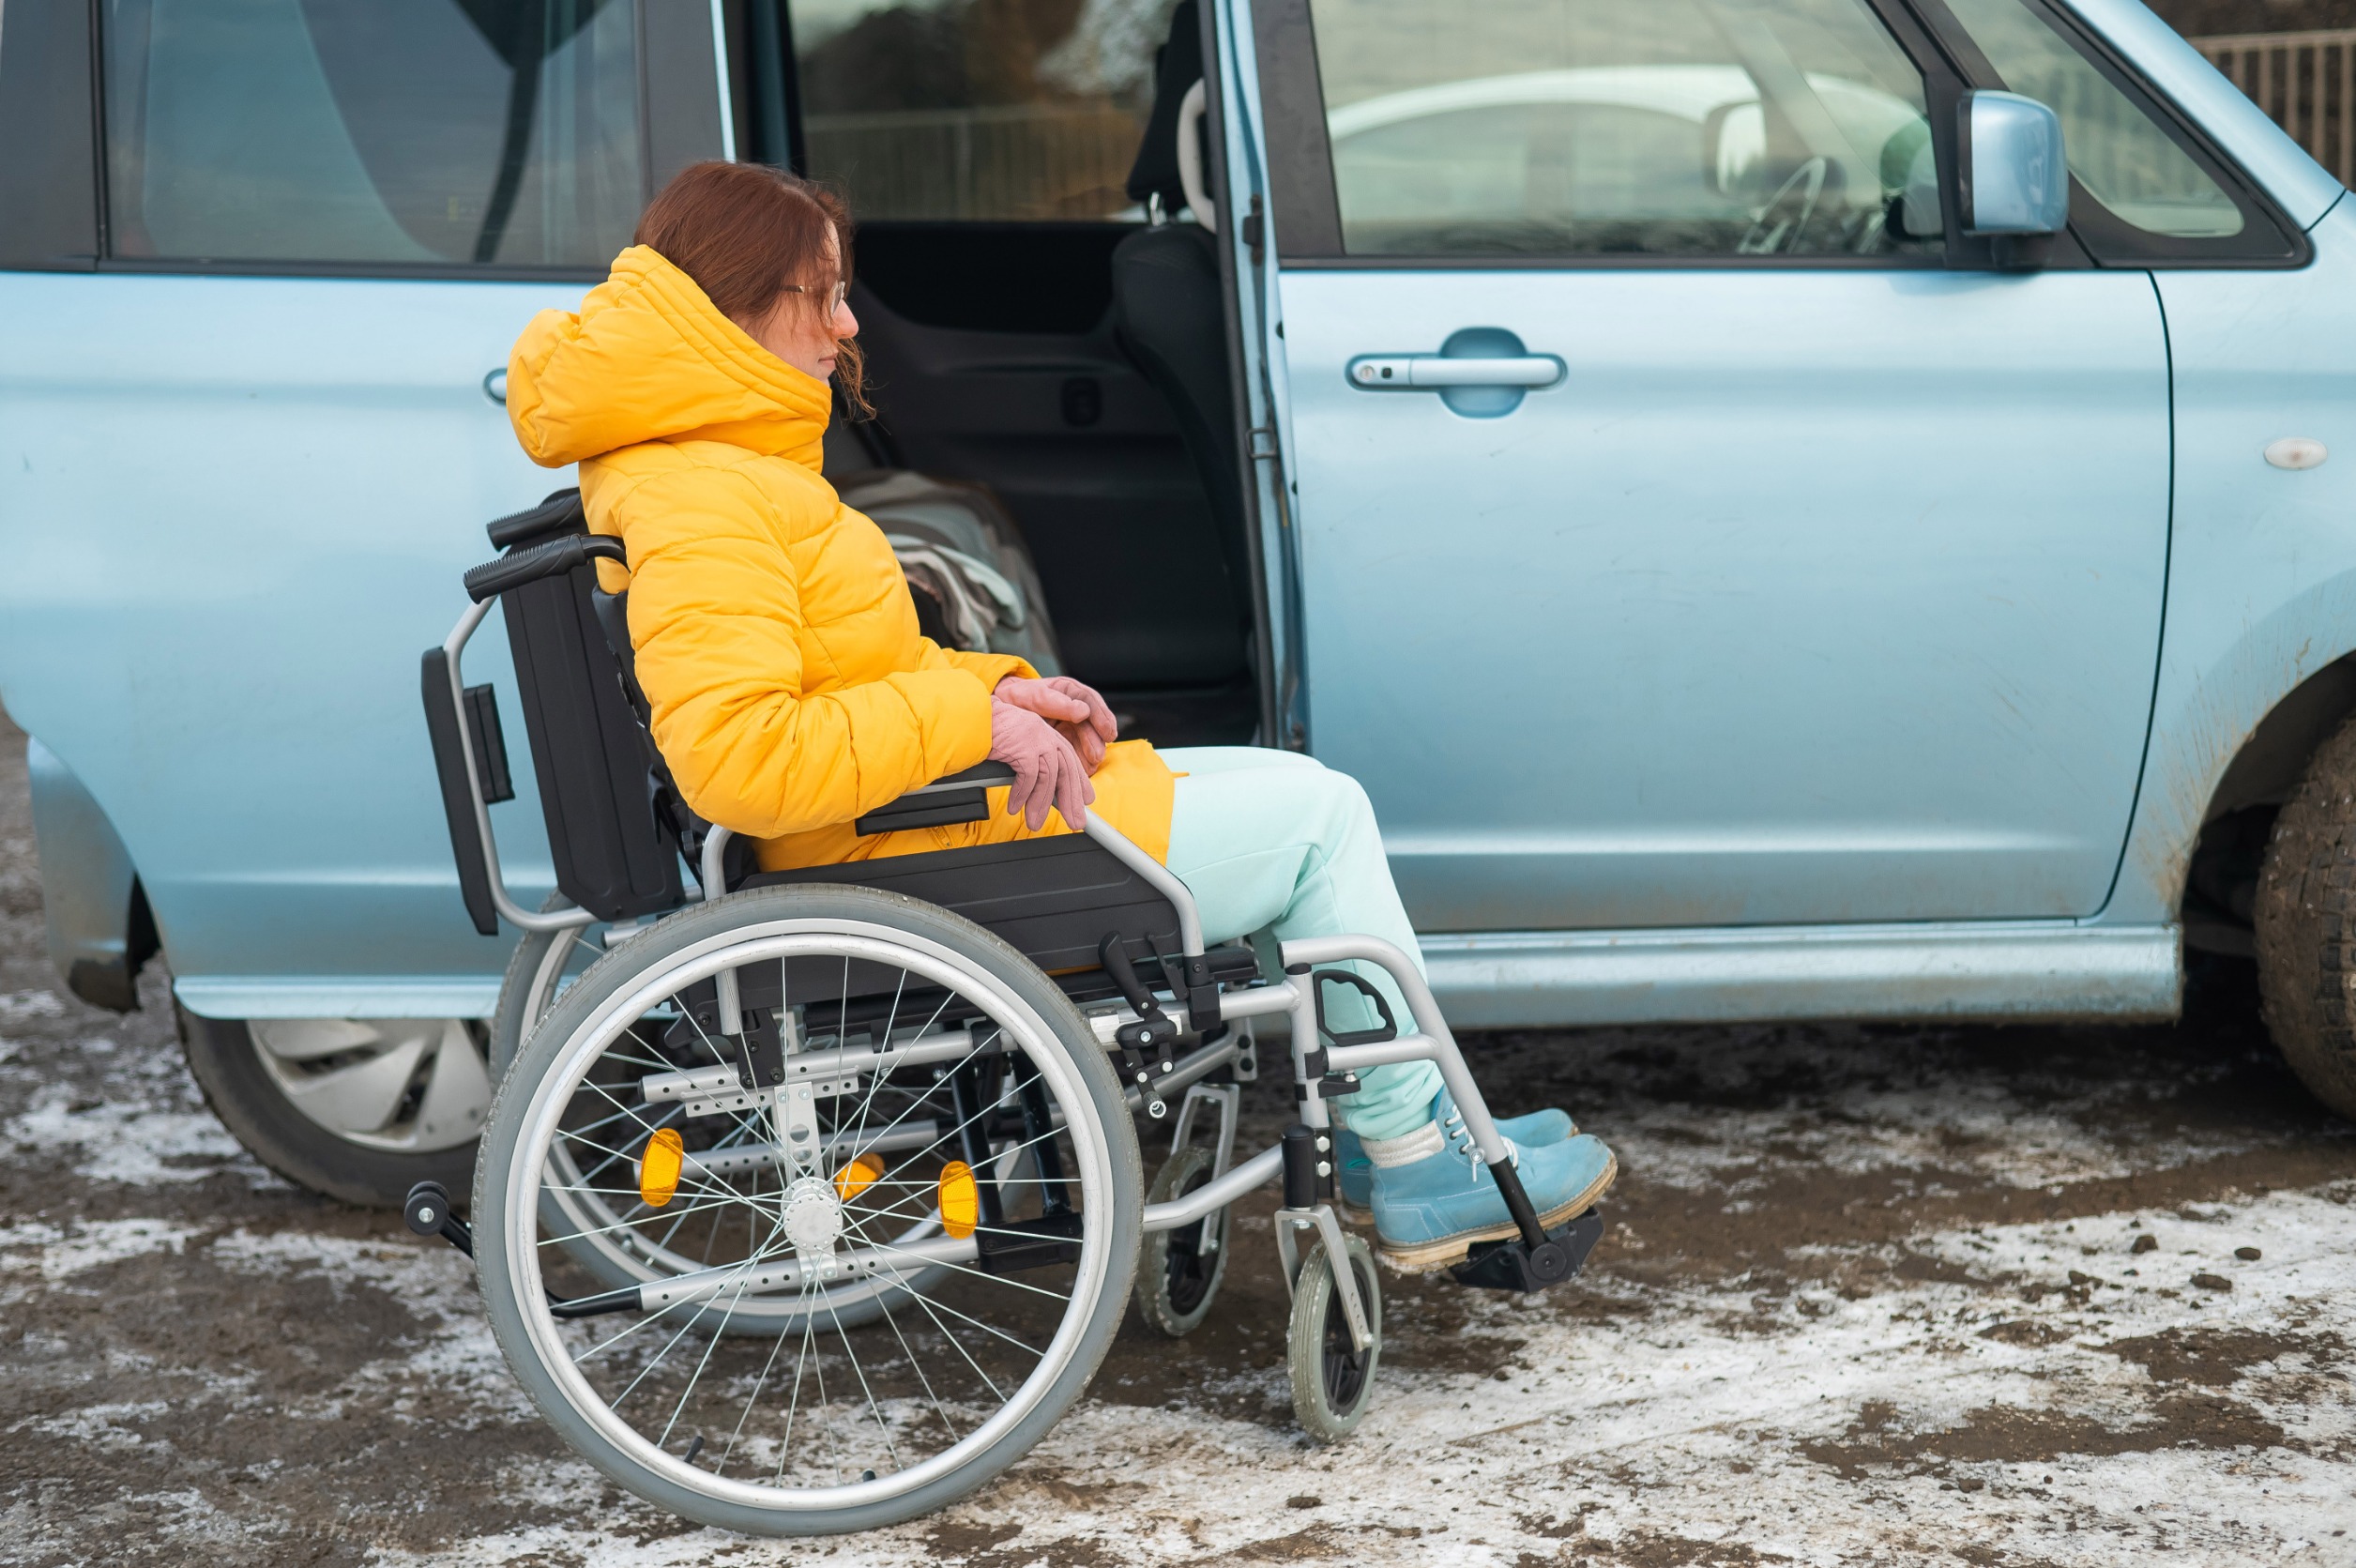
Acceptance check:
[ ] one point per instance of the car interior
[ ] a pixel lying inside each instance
(1080, 370)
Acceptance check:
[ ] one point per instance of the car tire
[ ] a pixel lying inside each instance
(2305, 915)
(226, 1059)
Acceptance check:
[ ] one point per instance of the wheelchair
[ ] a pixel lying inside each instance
(816, 1199)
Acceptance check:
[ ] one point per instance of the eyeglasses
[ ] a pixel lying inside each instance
(835, 295)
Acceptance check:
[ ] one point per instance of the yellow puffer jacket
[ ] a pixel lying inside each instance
(775, 637)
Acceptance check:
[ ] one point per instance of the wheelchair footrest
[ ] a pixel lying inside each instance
(1516, 1265)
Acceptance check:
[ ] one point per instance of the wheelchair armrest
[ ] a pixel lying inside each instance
(961, 796)
(989, 775)
(551, 560)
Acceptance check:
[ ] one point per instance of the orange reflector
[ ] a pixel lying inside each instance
(658, 1169)
(856, 1177)
(961, 1199)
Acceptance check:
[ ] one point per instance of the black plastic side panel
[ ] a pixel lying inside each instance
(458, 804)
(49, 177)
(616, 855)
(1053, 898)
(1300, 158)
(491, 744)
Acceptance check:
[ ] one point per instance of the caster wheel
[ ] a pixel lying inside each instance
(1178, 1270)
(1331, 1381)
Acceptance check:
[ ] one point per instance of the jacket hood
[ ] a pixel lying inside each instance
(648, 358)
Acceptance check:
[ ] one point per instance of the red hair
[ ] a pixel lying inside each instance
(750, 234)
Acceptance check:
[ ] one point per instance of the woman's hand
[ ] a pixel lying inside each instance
(1047, 771)
(1076, 711)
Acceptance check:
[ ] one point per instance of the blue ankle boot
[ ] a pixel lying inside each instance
(1355, 1173)
(1431, 1209)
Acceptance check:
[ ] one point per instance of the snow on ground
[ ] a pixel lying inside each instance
(1846, 1430)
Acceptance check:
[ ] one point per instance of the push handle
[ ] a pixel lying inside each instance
(557, 513)
(551, 560)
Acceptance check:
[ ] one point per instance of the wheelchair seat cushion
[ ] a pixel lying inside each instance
(1053, 899)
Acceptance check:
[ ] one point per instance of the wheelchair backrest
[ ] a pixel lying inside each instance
(612, 828)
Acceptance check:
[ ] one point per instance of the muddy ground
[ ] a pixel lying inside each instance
(1868, 1295)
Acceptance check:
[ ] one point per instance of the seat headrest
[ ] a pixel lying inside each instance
(1178, 65)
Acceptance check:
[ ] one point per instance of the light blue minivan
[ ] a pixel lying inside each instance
(1771, 541)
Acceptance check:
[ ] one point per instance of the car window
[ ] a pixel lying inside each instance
(977, 109)
(502, 133)
(1592, 127)
(2120, 154)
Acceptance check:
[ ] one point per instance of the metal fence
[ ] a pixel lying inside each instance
(2305, 82)
(1011, 161)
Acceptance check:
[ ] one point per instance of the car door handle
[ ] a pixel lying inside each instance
(1432, 372)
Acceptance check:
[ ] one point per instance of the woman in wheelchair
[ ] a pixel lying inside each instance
(845, 1141)
(791, 691)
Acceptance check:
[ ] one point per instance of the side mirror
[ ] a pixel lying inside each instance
(2015, 179)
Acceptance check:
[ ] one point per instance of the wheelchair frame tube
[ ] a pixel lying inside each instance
(712, 868)
(1157, 877)
(1437, 1046)
(454, 651)
(1213, 1195)
(787, 1274)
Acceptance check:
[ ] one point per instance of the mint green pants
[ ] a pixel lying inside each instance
(1274, 844)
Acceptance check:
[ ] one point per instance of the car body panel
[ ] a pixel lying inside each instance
(235, 518)
(1806, 595)
(87, 883)
(2013, 970)
(2262, 581)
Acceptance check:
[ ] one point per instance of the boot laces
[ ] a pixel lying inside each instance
(1461, 1140)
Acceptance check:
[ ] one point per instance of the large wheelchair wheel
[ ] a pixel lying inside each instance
(592, 1220)
(975, 1197)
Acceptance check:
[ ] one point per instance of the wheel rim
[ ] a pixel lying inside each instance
(1187, 1269)
(1344, 1368)
(408, 1085)
(908, 1361)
